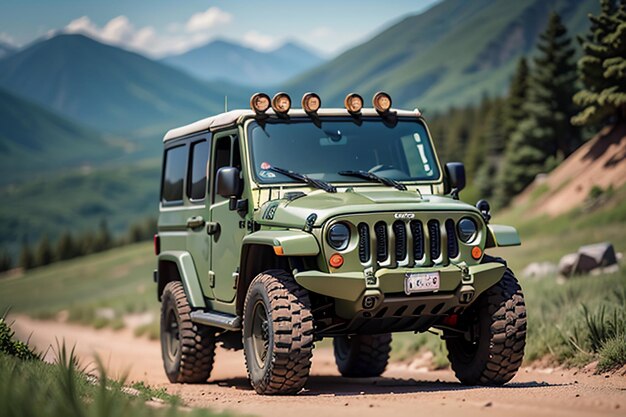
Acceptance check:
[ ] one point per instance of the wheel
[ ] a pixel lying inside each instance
(277, 333)
(492, 348)
(362, 356)
(188, 348)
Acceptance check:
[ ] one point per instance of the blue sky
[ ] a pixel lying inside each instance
(158, 27)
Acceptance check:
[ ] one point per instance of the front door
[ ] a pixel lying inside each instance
(226, 242)
(197, 212)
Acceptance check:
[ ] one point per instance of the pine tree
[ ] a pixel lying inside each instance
(66, 247)
(27, 260)
(514, 111)
(602, 68)
(6, 262)
(44, 255)
(545, 136)
(103, 239)
(494, 139)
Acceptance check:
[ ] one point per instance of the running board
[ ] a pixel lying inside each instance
(216, 319)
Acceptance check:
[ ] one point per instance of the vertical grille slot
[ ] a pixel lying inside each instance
(453, 244)
(418, 239)
(364, 242)
(435, 239)
(399, 230)
(381, 241)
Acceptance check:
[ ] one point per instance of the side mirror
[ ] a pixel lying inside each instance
(228, 183)
(455, 172)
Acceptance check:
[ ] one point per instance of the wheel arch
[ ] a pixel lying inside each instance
(179, 266)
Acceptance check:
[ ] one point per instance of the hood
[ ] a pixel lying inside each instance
(293, 213)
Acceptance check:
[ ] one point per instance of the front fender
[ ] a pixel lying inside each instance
(499, 235)
(290, 242)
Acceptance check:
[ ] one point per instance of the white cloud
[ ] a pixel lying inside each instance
(207, 20)
(321, 32)
(8, 40)
(260, 41)
(178, 37)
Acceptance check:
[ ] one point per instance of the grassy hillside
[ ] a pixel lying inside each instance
(35, 141)
(109, 88)
(452, 54)
(78, 201)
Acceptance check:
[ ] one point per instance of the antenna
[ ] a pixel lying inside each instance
(225, 104)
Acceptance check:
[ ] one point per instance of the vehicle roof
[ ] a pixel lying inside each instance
(235, 116)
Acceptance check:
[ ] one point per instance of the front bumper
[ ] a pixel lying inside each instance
(459, 286)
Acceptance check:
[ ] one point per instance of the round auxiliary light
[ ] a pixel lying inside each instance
(281, 103)
(467, 229)
(260, 102)
(353, 103)
(382, 102)
(339, 236)
(311, 102)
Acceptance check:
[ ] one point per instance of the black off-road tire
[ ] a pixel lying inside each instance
(499, 321)
(277, 334)
(188, 348)
(362, 356)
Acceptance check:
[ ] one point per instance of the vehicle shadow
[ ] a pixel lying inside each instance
(339, 386)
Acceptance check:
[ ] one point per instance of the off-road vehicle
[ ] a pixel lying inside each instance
(279, 227)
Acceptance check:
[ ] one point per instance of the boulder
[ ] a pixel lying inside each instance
(539, 270)
(589, 258)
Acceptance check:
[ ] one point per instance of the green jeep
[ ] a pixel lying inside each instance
(279, 227)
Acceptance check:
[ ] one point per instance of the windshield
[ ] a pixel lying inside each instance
(400, 151)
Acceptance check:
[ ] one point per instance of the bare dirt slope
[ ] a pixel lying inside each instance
(402, 391)
(600, 162)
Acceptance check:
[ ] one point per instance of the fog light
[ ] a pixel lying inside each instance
(260, 102)
(353, 103)
(382, 102)
(369, 302)
(281, 103)
(336, 260)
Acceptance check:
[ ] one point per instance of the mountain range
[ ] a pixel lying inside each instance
(6, 49)
(238, 64)
(109, 88)
(450, 55)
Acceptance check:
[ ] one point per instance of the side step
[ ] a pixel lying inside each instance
(216, 319)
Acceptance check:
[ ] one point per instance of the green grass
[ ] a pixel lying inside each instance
(119, 280)
(31, 387)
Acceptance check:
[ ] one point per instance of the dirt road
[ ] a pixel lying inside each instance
(400, 392)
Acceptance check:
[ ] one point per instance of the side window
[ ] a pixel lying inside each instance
(226, 154)
(196, 181)
(173, 174)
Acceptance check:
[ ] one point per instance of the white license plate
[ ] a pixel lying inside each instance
(423, 282)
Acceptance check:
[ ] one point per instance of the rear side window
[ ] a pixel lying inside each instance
(174, 173)
(196, 184)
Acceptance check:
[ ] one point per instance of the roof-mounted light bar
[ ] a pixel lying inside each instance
(353, 103)
(311, 102)
(281, 103)
(382, 102)
(259, 103)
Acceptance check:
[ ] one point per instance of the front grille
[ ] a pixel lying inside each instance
(414, 242)
(399, 231)
(435, 239)
(453, 243)
(364, 242)
(381, 241)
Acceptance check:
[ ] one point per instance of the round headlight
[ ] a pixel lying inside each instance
(353, 103)
(281, 103)
(382, 102)
(467, 229)
(260, 102)
(339, 236)
(311, 102)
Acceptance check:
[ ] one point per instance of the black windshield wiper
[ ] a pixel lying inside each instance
(322, 185)
(373, 177)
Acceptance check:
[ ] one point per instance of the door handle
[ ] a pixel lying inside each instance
(212, 228)
(195, 221)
